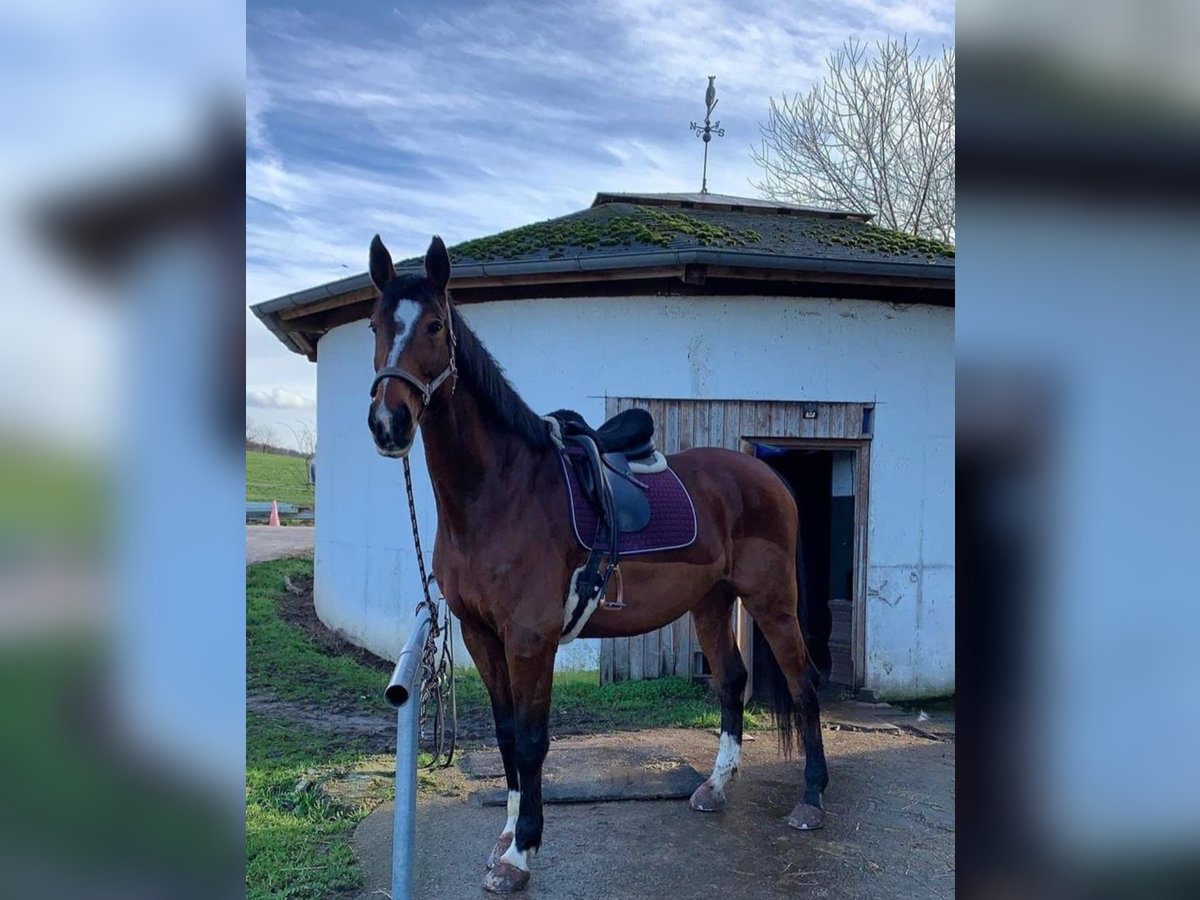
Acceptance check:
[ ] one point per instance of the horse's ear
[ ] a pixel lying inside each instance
(382, 270)
(437, 264)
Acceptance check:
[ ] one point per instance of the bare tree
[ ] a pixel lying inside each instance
(876, 135)
(262, 434)
(268, 436)
(305, 437)
(254, 434)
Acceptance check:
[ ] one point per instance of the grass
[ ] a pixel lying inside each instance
(52, 497)
(275, 476)
(580, 699)
(297, 837)
(281, 660)
(77, 795)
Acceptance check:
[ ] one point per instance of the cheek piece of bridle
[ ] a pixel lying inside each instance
(427, 388)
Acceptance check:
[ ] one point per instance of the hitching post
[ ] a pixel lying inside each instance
(404, 693)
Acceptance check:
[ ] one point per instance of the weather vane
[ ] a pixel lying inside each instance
(707, 131)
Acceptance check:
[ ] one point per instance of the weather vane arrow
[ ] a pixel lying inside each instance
(706, 131)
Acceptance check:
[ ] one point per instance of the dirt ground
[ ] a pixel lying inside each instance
(889, 830)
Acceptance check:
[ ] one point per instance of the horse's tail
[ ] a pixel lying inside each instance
(783, 705)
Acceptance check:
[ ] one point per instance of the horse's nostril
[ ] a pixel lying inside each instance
(401, 422)
(378, 431)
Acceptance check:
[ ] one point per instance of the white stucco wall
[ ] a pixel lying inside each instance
(745, 348)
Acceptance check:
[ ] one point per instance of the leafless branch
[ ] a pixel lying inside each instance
(875, 135)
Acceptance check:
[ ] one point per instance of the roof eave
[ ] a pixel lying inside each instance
(515, 272)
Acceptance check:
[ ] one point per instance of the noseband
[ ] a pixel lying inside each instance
(427, 388)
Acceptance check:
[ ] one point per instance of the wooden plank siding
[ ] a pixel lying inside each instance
(683, 424)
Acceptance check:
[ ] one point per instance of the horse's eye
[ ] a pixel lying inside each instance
(372, 324)
(435, 326)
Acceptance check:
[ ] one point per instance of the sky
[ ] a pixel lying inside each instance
(467, 118)
(91, 92)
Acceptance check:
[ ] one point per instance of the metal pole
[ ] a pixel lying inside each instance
(404, 693)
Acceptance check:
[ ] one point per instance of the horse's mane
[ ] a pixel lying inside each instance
(498, 400)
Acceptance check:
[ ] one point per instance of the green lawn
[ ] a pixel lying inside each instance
(273, 476)
(581, 701)
(75, 794)
(52, 496)
(281, 660)
(297, 841)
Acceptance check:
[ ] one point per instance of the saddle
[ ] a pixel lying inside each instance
(630, 433)
(612, 489)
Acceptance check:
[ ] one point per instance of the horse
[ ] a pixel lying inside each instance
(505, 552)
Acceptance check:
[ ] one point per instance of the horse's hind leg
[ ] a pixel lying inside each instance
(488, 653)
(781, 629)
(713, 627)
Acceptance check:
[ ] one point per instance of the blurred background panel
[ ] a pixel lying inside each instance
(1078, 137)
(121, 618)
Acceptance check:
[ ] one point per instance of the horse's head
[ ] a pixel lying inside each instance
(414, 346)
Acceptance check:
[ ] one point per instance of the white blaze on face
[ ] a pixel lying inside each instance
(406, 315)
(729, 755)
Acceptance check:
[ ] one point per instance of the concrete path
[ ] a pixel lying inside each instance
(264, 542)
(889, 832)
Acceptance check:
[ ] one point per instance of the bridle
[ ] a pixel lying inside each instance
(427, 388)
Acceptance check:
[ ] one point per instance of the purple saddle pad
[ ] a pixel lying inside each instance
(672, 515)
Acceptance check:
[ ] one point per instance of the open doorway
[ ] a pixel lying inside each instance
(823, 481)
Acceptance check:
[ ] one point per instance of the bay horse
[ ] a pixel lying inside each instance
(505, 551)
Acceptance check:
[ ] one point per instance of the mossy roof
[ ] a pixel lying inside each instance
(616, 229)
(657, 234)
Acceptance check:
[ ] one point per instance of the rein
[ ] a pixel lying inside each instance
(437, 667)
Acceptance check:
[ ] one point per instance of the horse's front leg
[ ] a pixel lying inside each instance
(488, 653)
(531, 675)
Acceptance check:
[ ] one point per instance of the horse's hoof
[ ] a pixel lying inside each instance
(505, 878)
(500, 849)
(806, 818)
(705, 799)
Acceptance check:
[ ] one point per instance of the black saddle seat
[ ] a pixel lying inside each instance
(630, 433)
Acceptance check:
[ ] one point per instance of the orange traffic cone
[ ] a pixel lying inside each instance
(274, 518)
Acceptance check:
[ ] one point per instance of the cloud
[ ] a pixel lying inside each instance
(466, 121)
(278, 398)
